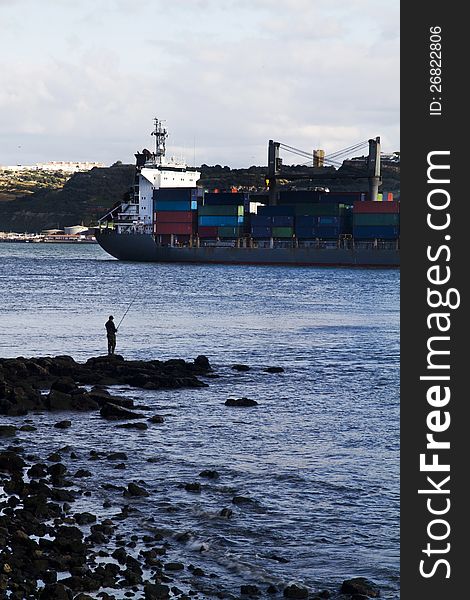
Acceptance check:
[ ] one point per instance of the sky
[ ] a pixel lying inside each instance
(83, 80)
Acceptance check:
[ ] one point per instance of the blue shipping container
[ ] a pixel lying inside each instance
(306, 232)
(222, 221)
(325, 232)
(159, 205)
(261, 232)
(306, 221)
(330, 221)
(174, 194)
(382, 232)
(276, 210)
(261, 221)
(211, 199)
(283, 221)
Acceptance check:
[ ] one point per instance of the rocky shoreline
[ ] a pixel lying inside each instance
(48, 549)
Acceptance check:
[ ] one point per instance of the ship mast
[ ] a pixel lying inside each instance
(160, 134)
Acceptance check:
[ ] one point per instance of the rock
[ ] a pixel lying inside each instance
(360, 585)
(240, 402)
(174, 566)
(136, 490)
(57, 470)
(271, 589)
(117, 456)
(54, 457)
(63, 424)
(242, 500)
(139, 426)
(64, 384)
(120, 555)
(250, 590)
(57, 400)
(113, 411)
(11, 462)
(197, 572)
(156, 591)
(156, 419)
(298, 592)
(226, 512)
(28, 428)
(84, 518)
(274, 370)
(193, 487)
(210, 474)
(55, 591)
(7, 431)
(83, 473)
(202, 363)
(324, 594)
(241, 367)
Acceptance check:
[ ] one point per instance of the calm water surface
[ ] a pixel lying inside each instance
(319, 455)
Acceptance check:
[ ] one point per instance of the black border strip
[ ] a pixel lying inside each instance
(433, 132)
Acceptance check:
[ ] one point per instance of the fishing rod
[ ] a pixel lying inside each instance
(127, 310)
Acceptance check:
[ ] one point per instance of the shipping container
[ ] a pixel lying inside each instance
(261, 221)
(276, 210)
(229, 232)
(283, 232)
(306, 221)
(175, 228)
(261, 232)
(321, 209)
(175, 194)
(376, 207)
(221, 210)
(211, 198)
(342, 197)
(328, 233)
(306, 233)
(381, 233)
(221, 221)
(299, 196)
(329, 221)
(175, 216)
(208, 232)
(376, 219)
(160, 205)
(282, 221)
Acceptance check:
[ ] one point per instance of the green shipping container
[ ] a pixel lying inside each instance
(320, 210)
(376, 219)
(283, 232)
(221, 211)
(229, 232)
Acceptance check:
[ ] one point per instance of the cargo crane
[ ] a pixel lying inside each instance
(372, 172)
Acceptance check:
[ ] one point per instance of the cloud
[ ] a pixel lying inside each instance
(230, 75)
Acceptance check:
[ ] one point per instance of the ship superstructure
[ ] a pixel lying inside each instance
(153, 171)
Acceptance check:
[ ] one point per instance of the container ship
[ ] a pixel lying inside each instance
(166, 217)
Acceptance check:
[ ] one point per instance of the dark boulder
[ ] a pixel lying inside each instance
(274, 370)
(240, 368)
(240, 402)
(63, 424)
(7, 431)
(56, 591)
(360, 585)
(11, 462)
(295, 591)
(113, 411)
(136, 490)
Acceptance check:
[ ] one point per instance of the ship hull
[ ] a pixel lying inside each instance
(142, 248)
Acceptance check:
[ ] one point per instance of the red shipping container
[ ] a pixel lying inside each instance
(376, 207)
(176, 228)
(175, 216)
(208, 232)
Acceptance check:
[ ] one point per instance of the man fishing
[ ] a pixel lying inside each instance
(111, 334)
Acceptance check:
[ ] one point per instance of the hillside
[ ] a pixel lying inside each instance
(39, 204)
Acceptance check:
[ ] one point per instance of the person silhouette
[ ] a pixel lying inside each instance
(111, 334)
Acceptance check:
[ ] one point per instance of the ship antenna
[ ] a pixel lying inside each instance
(160, 134)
